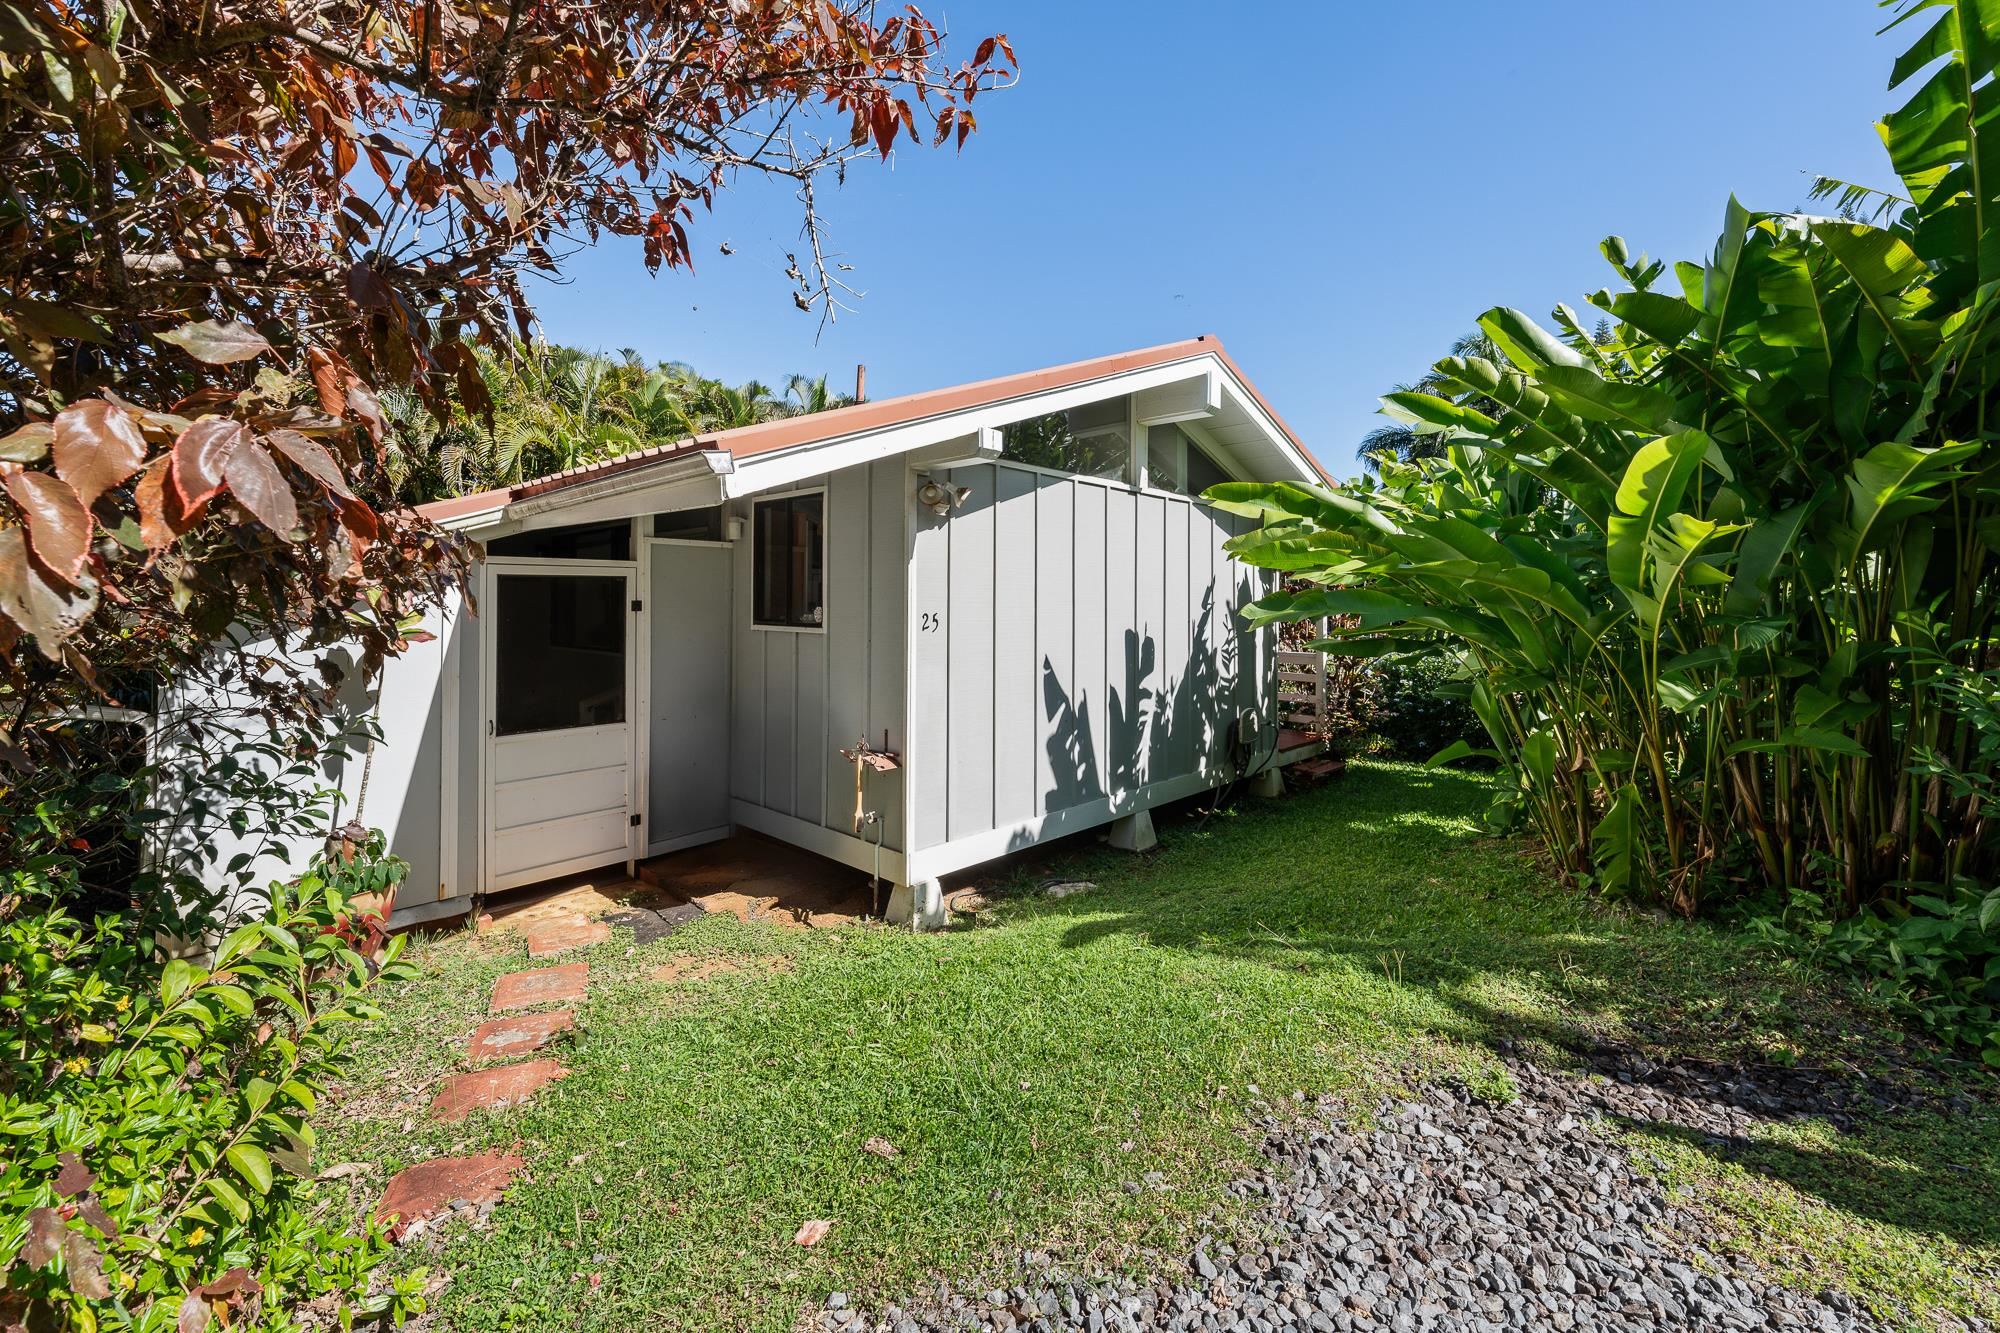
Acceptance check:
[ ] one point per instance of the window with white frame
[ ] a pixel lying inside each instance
(790, 576)
(691, 525)
(578, 541)
(1091, 441)
(1174, 462)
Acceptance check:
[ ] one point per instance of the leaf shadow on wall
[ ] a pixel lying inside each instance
(1151, 734)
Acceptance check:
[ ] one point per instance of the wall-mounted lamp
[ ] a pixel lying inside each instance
(732, 528)
(941, 499)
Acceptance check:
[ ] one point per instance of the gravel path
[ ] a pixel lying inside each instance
(1451, 1214)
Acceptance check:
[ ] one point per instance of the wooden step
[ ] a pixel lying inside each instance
(1323, 769)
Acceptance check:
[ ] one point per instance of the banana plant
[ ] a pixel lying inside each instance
(1702, 575)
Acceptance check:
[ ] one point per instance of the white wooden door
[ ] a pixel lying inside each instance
(560, 719)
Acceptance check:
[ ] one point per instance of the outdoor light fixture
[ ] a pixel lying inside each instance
(732, 528)
(941, 499)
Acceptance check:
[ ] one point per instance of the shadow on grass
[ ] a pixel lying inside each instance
(1382, 875)
(1386, 876)
(1914, 1171)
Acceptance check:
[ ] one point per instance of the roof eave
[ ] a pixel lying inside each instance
(774, 453)
(777, 468)
(512, 509)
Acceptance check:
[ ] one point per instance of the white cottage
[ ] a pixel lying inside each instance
(910, 635)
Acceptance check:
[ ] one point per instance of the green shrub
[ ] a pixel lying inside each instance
(1937, 959)
(1703, 561)
(155, 1111)
(1723, 561)
(1420, 708)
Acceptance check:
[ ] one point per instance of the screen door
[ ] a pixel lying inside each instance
(559, 722)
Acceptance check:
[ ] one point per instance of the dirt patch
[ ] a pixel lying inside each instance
(758, 879)
(677, 970)
(967, 902)
(588, 896)
(746, 876)
(785, 903)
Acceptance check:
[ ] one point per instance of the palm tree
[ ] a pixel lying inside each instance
(709, 405)
(557, 407)
(1407, 444)
(745, 405)
(805, 395)
(656, 406)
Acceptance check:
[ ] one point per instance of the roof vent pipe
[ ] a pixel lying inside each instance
(861, 383)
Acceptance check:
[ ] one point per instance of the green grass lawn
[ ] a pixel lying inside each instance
(1029, 1067)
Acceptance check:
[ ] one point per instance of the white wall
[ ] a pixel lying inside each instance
(801, 697)
(1076, 654)
(198, 723)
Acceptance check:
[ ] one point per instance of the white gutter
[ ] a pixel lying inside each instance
(702, 465)
(683, 467)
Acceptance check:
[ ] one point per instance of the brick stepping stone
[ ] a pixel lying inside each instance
(539, 985)
(485, 1089)
(564, 934)
(421, 1192)
(505, 1038)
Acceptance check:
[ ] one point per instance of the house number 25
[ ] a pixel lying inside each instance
(930, 622)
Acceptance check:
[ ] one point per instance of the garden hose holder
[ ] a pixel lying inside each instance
(867, 759)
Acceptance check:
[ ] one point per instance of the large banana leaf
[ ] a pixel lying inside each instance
(1764, 544)
(1895, 482)
(1583, 392)
(1616, 842)
(1652, 487)
(1527, 344)
(1720, 547)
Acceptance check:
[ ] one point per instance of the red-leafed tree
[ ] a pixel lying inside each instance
(228, 224)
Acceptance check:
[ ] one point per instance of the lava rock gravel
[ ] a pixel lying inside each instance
(1450, 1213)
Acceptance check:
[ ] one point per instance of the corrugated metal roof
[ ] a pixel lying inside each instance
(791, 432)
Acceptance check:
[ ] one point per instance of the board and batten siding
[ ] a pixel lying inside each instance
(393, 782)
(799, 698)
(687, 702)
(1076, 655)
(465, 647)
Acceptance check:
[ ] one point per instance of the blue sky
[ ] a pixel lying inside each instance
(1335, 188)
